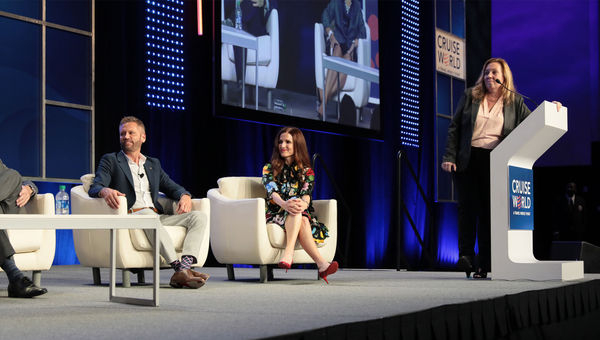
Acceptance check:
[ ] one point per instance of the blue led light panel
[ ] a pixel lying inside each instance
(410, 73)
(164, 54)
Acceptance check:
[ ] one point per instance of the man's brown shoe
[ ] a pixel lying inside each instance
(185, 279)
(204, 276)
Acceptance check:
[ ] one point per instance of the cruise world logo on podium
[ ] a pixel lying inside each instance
(520, 196)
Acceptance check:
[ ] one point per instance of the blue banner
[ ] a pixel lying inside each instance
(520, 198)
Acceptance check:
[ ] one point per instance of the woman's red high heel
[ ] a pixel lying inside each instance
(333, 267)
(285, 265)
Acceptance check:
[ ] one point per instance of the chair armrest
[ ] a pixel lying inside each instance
(238, 232)
(319, 50)
(41, 204)
(82, 203)
(232, 215)
(273, 30)
(326, 212)
(363, 49)
(201, 204)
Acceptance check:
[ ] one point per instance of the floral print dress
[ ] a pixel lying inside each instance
(287, 185)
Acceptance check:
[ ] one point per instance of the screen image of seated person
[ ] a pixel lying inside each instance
(289, 181)
(255, 14)
(344, 25)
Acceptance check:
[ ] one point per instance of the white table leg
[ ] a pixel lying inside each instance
(112, 281)
(324, 92)
(338, 95)
(156, 268)
(129, 300)
(256, 78)
(244, 51)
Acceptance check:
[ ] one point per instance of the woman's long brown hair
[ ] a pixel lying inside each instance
(300, 156)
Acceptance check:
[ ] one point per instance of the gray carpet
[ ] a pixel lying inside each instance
(241, 309)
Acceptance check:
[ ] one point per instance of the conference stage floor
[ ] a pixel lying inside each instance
(294, 302)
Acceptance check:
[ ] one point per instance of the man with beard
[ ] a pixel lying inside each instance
(139, 178)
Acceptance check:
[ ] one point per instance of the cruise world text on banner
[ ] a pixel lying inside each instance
(450, 54)
(520, 196)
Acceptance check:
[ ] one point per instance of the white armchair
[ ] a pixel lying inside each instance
(358, 89)
(34, 249)
(134, 252)
(240, 234)
(268, 58)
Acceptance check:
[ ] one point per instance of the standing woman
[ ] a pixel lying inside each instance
(486, 113)
(289, 181)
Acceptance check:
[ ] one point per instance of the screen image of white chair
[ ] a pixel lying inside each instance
(268, 60)
(134, 251)
(241, 235)
(358, 89)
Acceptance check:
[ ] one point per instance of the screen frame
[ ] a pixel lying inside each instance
(221, 110)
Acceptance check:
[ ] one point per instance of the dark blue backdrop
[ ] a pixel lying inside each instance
(552, 48)
(196, 149)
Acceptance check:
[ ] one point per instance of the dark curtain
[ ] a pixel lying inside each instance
(196, 148)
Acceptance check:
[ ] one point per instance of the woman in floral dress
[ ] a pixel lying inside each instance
(289, 181)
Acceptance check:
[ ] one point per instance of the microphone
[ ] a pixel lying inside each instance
(531, 100)
(141, 175)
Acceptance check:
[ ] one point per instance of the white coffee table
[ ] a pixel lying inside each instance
(350, 68)
(111, 222)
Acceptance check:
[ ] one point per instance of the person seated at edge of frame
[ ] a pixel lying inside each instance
(289, 181)
(485, 115)
(14, 195)
(139, 178)
(344, 25)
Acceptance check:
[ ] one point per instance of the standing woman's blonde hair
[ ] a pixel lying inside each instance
(479, 90)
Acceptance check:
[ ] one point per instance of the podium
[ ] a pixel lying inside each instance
(511, 199)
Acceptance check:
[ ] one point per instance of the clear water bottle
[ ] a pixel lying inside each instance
(238, 14)
(62, 201)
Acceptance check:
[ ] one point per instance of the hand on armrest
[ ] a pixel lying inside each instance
(111, 197)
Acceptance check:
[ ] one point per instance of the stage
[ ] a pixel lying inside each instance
(294, 302)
